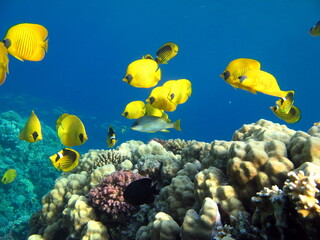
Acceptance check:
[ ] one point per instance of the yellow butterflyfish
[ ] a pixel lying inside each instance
(143, 73)
(71, 130)
(9, 176)
(65, 160)
(27, 41)
(4, 63)
(32, 129)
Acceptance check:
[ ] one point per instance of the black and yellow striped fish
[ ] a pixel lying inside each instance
(315, 30)
(111, 139)
(65, 160)
(27, 41)
(291, 116)
(167, 52)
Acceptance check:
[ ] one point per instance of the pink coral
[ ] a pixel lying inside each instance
(108, 196)
(159, 140)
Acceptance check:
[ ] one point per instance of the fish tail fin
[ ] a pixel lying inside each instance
(289, 96)
(45, 45)
(285, 94)
(176, 125)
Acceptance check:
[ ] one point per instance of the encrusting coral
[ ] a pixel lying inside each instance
(254, 165)
(205, 190)
(203, 226)
(163, 227)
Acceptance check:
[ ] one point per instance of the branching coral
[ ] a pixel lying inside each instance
(109, 157)
(108, 195)
(304, 192)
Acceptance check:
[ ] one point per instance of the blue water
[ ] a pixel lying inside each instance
(91, 44)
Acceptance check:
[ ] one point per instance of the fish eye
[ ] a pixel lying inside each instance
(226, 75)
(172, 96)
(134, 124)
(126, 114)
(151, 99)
(6, 42)
(242, 78)
(129, 78)
(35, 135)
(81, 137)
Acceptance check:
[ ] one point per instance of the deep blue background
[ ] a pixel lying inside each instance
(91, 44)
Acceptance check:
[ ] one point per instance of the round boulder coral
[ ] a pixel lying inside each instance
(108, 198)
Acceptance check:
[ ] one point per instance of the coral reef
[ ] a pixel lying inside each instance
(263, 184)
(162, 227)
(29, 160)
(108, 195)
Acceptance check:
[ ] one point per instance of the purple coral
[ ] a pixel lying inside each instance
(108, 196)
(159, 140)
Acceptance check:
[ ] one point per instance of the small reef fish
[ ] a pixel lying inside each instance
(111, 139)
(124, 129)
(9, 176)
(316, 124)
(71, 130)
(260, 81)
(159, 98)
(152, 111)
(65, 160)
(180, 90)
(27, 41)
(141, 191)
(134, 110)
(153, 124)
(32, 129)
(147, 56)
(237, 68)
(166, 52)
(315, 30)
(4, 63)
(285, 103)
(293, 116)
(143, 73)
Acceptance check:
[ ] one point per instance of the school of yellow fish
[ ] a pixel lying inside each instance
(245, 73)
(151, 115)
(28, 41)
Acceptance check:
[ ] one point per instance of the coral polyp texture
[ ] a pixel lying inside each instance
(263, 184)
(108, 195)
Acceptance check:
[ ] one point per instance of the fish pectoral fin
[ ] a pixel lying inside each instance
(252, 91)
(165, 130)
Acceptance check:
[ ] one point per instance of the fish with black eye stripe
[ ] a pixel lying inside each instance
(65, 160)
